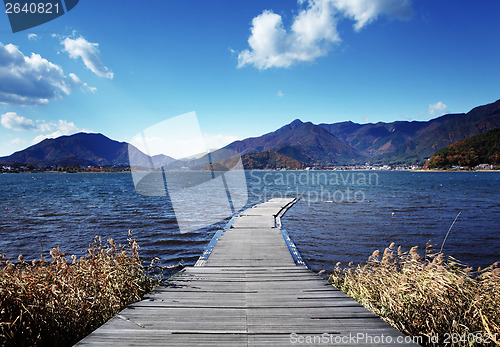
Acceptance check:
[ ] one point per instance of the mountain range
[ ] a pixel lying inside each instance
(82, 149)
(412, 142)
(345, 143)
(294, 145)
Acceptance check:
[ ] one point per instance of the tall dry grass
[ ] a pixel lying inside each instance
(58, 301)
(427, 295)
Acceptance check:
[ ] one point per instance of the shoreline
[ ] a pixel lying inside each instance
(450, 170)
(257, 170)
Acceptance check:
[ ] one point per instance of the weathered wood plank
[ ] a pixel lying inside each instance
(249, 292)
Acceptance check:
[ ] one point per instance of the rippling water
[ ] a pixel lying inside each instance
(424, 206)
(342, 216)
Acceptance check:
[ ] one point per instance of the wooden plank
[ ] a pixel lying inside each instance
(249, 292)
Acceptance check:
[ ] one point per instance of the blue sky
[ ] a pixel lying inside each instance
(245, 67)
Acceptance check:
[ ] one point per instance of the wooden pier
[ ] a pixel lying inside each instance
(249, 288)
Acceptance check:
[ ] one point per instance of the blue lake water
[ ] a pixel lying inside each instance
(342, 216)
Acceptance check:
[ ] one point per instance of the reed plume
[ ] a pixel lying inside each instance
(431, 295)
(58, 301)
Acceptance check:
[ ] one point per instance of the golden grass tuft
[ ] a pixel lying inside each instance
(59, 301)
(427, 295)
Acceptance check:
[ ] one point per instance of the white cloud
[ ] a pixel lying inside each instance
(60, 128)
(313, 30)
(12, 121)
(31, 80)
(81, 84)
(280, 94)
(89, 53)
(32, 37)
(438, 108)
(218, 141)
(366, 11)
(42, 126)
(311, 35)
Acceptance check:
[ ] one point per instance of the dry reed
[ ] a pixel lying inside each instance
(428, 296)
(58, 301)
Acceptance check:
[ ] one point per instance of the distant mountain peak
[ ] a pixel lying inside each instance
(305, 142)
(291, 126)
(296, 123)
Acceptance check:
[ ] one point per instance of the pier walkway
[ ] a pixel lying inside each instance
(249, 288)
